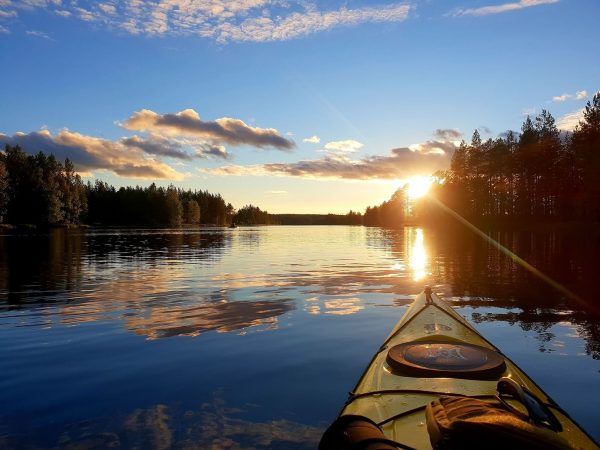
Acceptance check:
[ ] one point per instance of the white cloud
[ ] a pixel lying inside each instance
(561, 98)
(579, 95)
(108, 8)
(4, 30)
(568, 122)
(298, 24)
(502, 8)
(343, 147)
(277, 192)
(180, 137)
(223, 130)
(39, 34)
(220, 20)
(7, 14)
(312, 140)
(90, 153)
(400, 163)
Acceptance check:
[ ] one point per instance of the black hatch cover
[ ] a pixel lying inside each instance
(445, 359)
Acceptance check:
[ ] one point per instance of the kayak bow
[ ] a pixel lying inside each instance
(433, 352)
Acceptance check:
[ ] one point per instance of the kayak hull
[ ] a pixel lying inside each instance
(397, 401)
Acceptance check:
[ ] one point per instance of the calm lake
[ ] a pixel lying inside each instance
(252, 337)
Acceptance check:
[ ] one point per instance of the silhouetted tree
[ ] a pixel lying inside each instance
(392, 213)
(252, 215)
(40, 190)
(191, 212)
(173, 208)
(586, 153)
(3, 190)
(540, 174)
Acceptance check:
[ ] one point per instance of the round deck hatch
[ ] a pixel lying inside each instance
(445, 359)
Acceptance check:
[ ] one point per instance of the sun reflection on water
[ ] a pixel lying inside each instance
(417, 256)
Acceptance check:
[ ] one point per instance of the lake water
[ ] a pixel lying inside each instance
(252, 337)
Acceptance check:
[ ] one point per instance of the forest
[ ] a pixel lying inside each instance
(537, 176)
(37, 190)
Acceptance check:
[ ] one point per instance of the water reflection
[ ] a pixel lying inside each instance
(161, 322)
(213, 425)
(169, 283)
(336, 307)
(417, 255)
(104, 308)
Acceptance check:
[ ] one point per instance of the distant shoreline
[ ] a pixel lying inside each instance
(571, 226)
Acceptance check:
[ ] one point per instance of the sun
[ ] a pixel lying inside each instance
(418, 187)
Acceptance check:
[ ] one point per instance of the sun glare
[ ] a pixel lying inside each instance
(418, 186)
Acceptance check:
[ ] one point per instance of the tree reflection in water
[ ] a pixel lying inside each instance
(156, 280)
(479, 276)
(78, 302)
(212, 426)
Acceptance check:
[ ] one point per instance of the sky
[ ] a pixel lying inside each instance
(292, 105)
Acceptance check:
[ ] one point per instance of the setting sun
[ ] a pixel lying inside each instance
(418, 186)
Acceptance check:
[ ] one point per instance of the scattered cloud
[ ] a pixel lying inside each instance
(447, 134)
(90, 153)
(222, 131)
(312, 140)
(341, 148)
(502, 8)
(107, 8)
(172, 148)
(404, 162)
(277, 192)
(297, 24)
(561, 98)
(4, 30)
(39, 34)
(579, 95)
(484, 130)
(174, 137)
(7, 14)
(220, 20)
(568, 122)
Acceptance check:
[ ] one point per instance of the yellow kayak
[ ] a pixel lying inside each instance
(434, 355)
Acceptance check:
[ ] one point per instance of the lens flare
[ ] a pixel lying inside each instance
(418, 187)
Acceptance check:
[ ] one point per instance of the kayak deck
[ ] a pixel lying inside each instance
(397, 402)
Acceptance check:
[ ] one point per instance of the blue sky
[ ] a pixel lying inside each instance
(221, 95)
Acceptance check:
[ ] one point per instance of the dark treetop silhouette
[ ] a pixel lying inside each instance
(540, 175)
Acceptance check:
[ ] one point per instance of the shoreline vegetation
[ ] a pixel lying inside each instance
(537, 179)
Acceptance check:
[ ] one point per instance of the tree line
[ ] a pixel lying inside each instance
(155, 206)
(538, 175)
(39, 190)
(351, 218)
